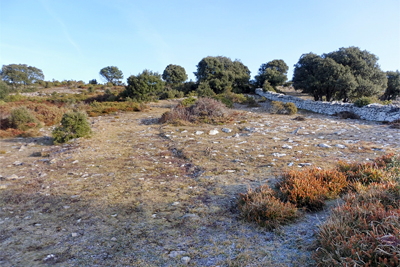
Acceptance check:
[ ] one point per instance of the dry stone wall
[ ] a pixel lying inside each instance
(372, 112)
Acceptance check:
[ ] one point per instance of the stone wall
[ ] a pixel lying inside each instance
(372, 112)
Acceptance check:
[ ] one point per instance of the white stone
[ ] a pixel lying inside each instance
(199, 132)
(174, 254)
(226, 130)
(287, 146)
(340, 146)
(213, 132)
(185, 260)
(324, 146)
(278, 155)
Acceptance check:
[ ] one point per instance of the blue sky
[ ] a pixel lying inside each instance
(75, 39)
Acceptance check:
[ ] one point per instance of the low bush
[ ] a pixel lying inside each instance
(280, 108)
(261, 206)
(267, 87)
(310, 188)
(205, 110)
(22, 119)
(223, 99)
(187, 102)
(251, 102)
(290, 108)
(99, 108)
(73, 125)
(171, 94)
(363, 101)
(362, 232)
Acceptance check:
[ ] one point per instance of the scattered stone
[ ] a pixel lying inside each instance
(295, 131)
(74, 234)
(230, 171)
(340, 146)
(49, 257)
(252, 129)
(17, 163)
(290, 164)
(213, 132)
(175, 203)
(3, 186)
(278, 155)
(236, 135)
(11, 177)
(191, 216)
(226, 130)
(53, 161)
(199, 132)
(22, 148)
(42, 174)
(304, 164)
(324, 145)
(174, 254)
(287, 146)
(185, 260)
(75, 161)
(113, 239)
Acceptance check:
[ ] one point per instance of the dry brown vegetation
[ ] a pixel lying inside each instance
(140, 192)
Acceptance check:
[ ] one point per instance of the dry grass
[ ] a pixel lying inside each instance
(138, 190)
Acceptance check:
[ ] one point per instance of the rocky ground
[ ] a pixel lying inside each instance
(139, 193)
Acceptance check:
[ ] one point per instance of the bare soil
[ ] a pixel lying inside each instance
(140, 193)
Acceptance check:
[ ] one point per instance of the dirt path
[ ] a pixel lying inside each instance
(143, 194)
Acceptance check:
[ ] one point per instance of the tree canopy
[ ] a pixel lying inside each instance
(346, 74)
(393, 86)
(21, 74)
(221, 73)
(275, 72)
(174, 74)
(112, 74)
(144, 86)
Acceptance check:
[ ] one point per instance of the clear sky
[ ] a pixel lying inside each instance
(74, 39)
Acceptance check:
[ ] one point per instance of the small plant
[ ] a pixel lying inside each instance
(362, 232)
(91, 89)
(73, 125)
(277, 107)
(310, 188)
(187, 102)
(22, 119)
(363, 101)
(290, 108)
(267, 87)
(251, 102)
(206, 110)
(261, 206)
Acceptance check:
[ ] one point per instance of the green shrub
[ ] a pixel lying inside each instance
(73, 125)
(280, 108)
(290, 108)
(267, 87)
(171, 94)
(251, 102)
(91, 89)
(222, 98)
(205, 90)
(363, 101)
(4, 90)
(187, 102)
(277, 107)
(22, 119)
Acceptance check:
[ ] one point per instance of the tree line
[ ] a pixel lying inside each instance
(346, 75)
